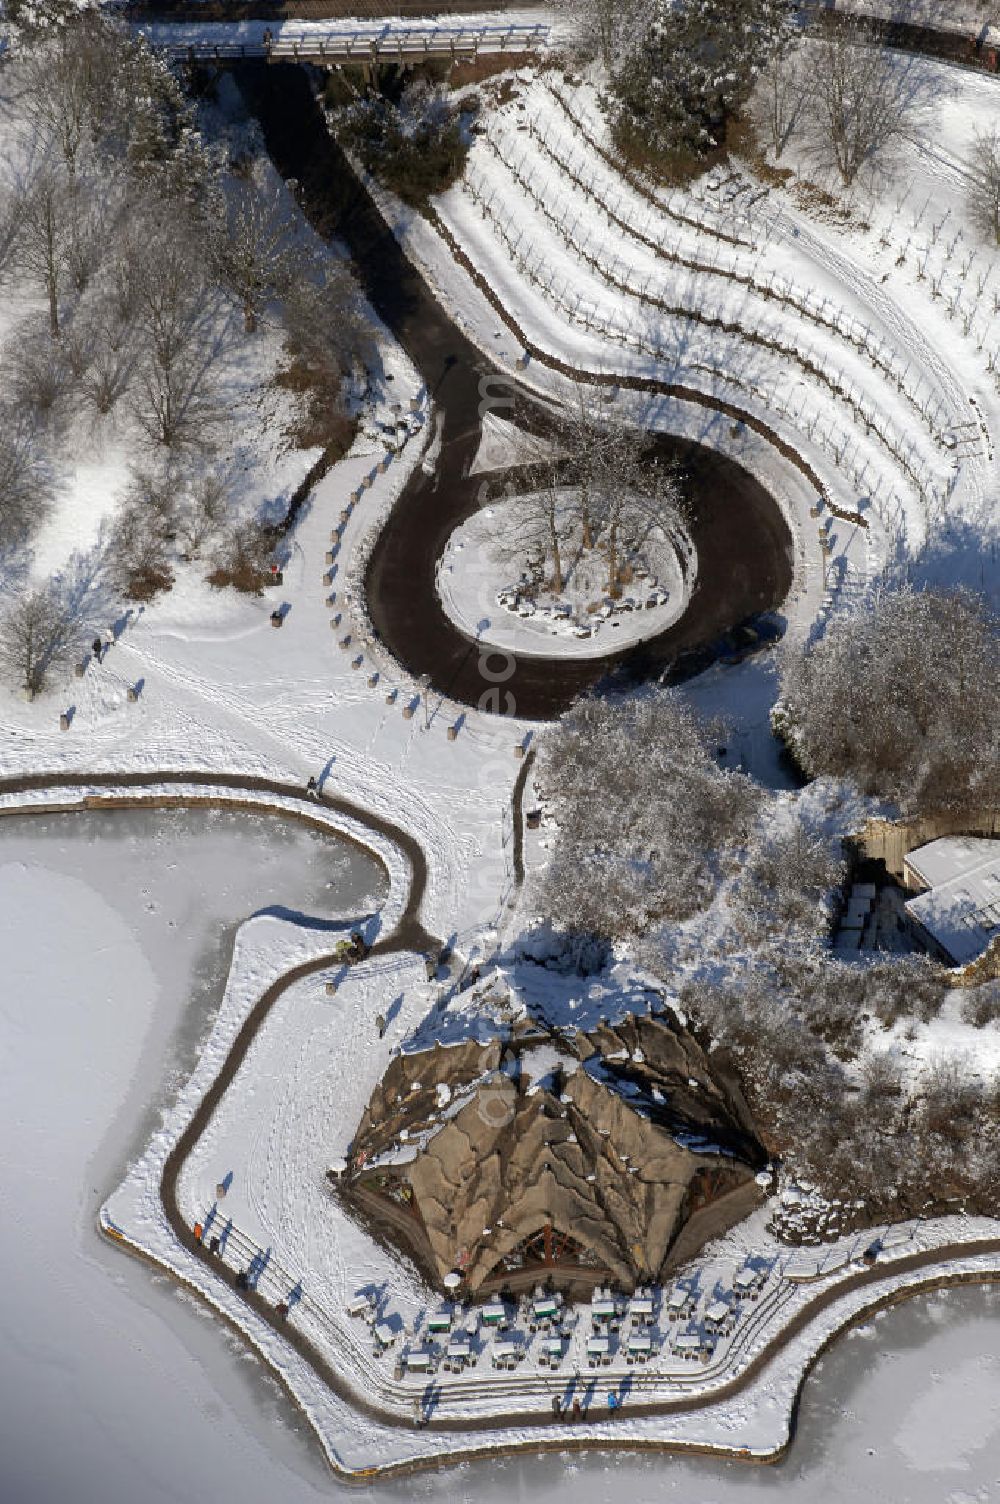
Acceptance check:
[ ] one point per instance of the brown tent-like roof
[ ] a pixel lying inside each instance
(578, 1157)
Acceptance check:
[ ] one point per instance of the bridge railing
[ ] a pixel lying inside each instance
(365, 46)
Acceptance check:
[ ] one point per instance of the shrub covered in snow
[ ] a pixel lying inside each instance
(981, 1005)
(904, 698)
(416, 148)
(687, 69)
(788, 880)
(644, 814)
(887, 1144)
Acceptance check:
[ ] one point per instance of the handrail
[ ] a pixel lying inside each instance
(338, 44)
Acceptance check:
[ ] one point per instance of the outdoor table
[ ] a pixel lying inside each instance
(718, 1312)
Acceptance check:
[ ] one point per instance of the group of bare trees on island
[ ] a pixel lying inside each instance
(591, 490)
(151, 255)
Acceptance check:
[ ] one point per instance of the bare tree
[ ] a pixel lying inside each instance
(45, 227)
(639, 517)
(533, 526)
(203, 510)
(174, 316)
(328, 337)
(105, 355)
(327, 331)
(138, 552)
(36, 636)
(252, 251)
(859, 95)
(624, 496)
(10, 210)
(605, 29)
(63, 80)
(781, 95)
(38, 373)
(25, 480)
(593, 491)
(985, 190)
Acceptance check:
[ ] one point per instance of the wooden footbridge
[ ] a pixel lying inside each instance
(340, 42)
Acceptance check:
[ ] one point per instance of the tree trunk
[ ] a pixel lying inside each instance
(614, 589)
(53, 304)
(557, 578)
(249, 318)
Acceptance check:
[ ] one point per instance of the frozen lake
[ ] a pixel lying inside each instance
(114, 939)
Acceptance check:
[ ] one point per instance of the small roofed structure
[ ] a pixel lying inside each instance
(957, 915)
(577, 1159)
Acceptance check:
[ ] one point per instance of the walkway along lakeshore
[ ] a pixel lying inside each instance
(137, 789)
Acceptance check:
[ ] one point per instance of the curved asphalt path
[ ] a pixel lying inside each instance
(743, 543)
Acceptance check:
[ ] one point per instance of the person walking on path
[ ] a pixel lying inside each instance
(312, 789)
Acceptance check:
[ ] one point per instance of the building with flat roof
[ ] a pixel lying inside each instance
(957, 912)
